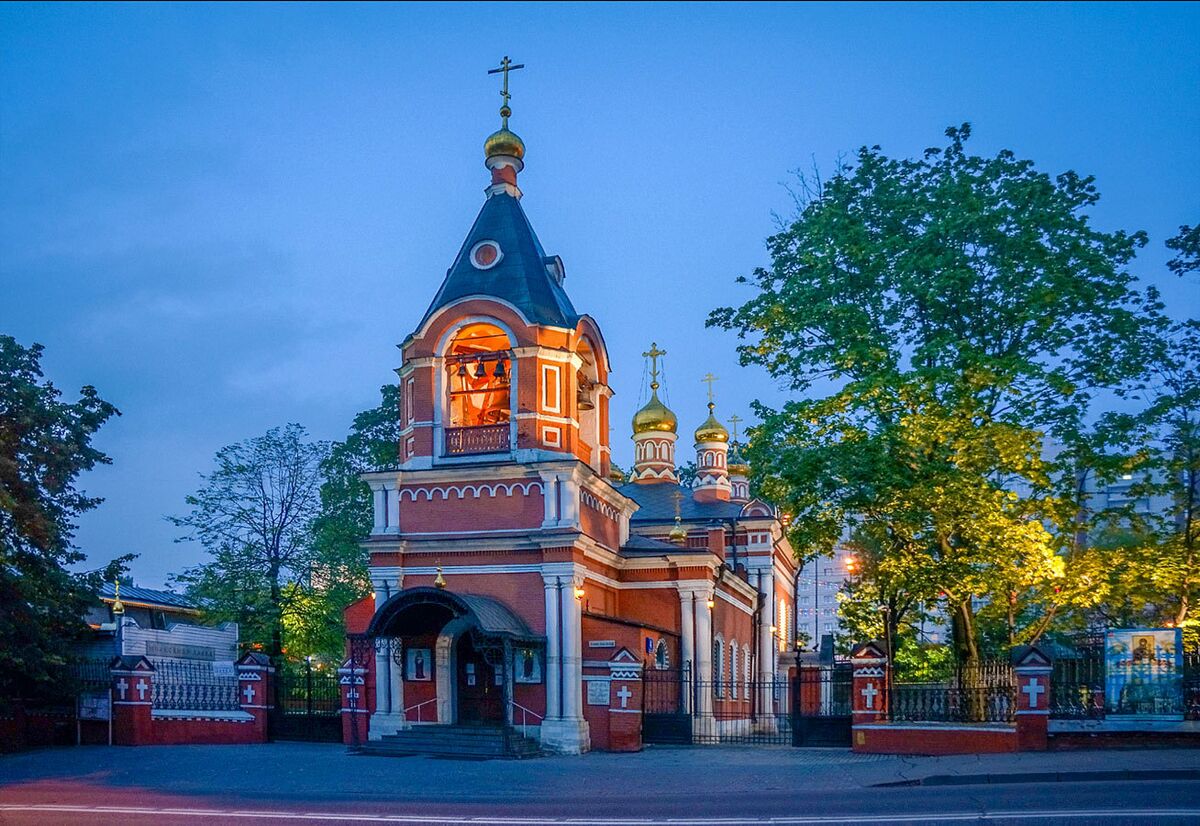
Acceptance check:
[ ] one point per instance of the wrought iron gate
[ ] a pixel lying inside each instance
(666, 695)
(680, 710)
(308, 704)
(821, 705)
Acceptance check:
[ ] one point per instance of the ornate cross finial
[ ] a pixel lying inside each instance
(504, 68)
(708, 379)
(678, 497)
(653, 354)
(734, 419)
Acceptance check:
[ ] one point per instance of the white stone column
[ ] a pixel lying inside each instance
(568, 733)
(766, 642)
(704, 661)
(392, 497)
(553, 650)
(572, 649)
(687, 642)
(380, 513)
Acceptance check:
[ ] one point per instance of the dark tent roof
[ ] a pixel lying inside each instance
(657, 504)
(522, 277)
(492, 616)
(148, 596)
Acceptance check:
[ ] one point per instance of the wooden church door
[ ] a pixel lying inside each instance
(480, 699)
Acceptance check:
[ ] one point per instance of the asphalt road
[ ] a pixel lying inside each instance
(314, 784)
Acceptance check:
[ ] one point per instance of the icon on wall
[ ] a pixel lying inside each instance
(419, 665)
(527, 665)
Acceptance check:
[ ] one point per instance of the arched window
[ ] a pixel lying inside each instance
(478, 369)
(783, 626)
(718, 666)
(661, 656)
(746, 669)
(733, 669)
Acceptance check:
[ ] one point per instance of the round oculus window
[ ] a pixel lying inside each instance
(485, 255)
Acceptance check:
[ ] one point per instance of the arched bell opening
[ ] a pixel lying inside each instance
(478, 367)
(587, 402)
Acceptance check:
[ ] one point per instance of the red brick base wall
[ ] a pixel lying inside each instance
(1069, 741)
(177, 731)
(890, 738)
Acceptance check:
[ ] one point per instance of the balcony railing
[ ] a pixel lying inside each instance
(464, 441)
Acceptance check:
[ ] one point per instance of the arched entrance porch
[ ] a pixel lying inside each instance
(448, 658)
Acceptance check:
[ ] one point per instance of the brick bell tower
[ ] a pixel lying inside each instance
(501, 366)
(480, 533)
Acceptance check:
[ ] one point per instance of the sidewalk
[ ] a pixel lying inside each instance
(319, 772)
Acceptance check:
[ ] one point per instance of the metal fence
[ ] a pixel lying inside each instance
(193, 686)
(1078, 688)
(985, 693)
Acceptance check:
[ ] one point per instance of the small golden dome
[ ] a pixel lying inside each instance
(504, 142)
(736, 463)
(655, 416)
(678, 533)
(712, 430)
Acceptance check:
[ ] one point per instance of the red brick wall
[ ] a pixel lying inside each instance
(932, 740)
(504, 510)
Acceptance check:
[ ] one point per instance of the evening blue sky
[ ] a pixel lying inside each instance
(226, 217)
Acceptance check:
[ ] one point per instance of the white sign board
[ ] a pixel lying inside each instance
(598, 692)
(223, 668)
(94, 706)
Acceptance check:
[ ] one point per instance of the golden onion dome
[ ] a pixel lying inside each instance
(712, 430)
(678, 533)
(655, 416)
(504, 142)
(736, 463)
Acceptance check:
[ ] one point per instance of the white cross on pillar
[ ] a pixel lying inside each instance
(1033, 689)
(122, 687)
(624, 694)
(248, 693)
(870, 693)
(142, 688)
(352, 694)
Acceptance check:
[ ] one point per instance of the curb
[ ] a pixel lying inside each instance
(1043, 777)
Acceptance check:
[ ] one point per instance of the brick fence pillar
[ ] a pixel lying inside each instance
(625, 703)
(356, 711)
(872, 678)
(1033, 668)
(255, 675)
(133, 700)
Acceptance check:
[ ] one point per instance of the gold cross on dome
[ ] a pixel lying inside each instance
(504, 68)
(734, 419)
(708, 379)
(653, 353)
(678, 497)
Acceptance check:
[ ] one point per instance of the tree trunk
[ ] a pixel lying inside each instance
(972, 691)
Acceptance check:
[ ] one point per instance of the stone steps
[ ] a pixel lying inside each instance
(464, 741)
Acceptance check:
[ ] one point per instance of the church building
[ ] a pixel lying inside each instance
(519, 583)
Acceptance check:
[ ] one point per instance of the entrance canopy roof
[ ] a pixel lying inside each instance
(427, 610)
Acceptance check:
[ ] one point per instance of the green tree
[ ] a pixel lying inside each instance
(1146, 560)
(1187, 244)
(347, 514)
(255, 515)
(45, 444)
(944, 315)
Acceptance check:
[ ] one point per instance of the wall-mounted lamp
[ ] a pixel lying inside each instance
(579, 593)
(711, 603)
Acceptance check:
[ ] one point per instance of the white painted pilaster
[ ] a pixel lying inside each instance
(687, 640)
(553, 648)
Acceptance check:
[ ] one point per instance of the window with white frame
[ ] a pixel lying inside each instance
(746, 669)
(718, 666)
(733, 669)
